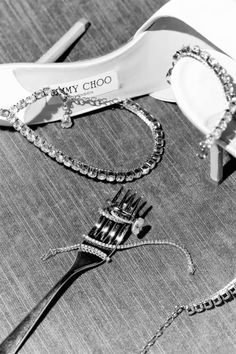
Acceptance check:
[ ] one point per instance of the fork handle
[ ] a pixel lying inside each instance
(15, 340)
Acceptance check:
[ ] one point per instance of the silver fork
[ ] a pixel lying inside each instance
(112, 228)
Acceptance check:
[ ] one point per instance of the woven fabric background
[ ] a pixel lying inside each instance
(118, 307)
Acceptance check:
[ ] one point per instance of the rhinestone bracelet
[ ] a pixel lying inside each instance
(74, 164)
(227, 84)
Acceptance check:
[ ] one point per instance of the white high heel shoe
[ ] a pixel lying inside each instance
(138, 68)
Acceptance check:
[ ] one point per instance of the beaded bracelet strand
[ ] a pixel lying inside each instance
(74, 164)
(227, 84)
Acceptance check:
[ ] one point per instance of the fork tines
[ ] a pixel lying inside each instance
(127, 206)
(119, 214)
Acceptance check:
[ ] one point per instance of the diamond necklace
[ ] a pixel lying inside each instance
(82, 168)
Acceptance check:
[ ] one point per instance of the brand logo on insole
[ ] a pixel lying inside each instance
(91, 86)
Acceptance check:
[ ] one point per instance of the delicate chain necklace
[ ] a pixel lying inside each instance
(218, 299)
(227, 84)
(74, 164)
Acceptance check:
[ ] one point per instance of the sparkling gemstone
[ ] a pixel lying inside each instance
(226, 88)
(217, 68)
(134, 105)
(31, 136)
(223, 71)
(120, 177)
(45, 147)
(222, 125)
(68, 111)
(24, 130)
(54, 92)
(202, 144)
(158, 133)
(186, 49)
(191, 310)
(145, 169)
(18, 124)
(228, 115)
(232, 289)
(217, 133)
(52, 152)
(176, 57)
(38, 141)
(59, 157)
(12, 118)
(178, 52)
(217, 300)
(75, 165)
(83, 169)
(66, 122)
(21, 104)
(228, 96)
(129, 176)
(158, 150)
(115, 101)
(137, 173)
(212, 61)
(203, 150)
(204, 55)
(159, 142)
(232, 108)
(202, 154)
(101, 175)
(156, 157)
(156, 125)
(231, 88)
(67, 161)
(92, 172)
(225, 79)
(39, 94)
(152, 163)
(46, 91)
(209, 140)
(110, 176)
(226, 296)
(4, 113)
(30, 99)
(64, 107)
(14, 109)
(142, 113)
(208, 304)
(199, 307)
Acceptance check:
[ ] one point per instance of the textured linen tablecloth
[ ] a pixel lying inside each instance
(117, 307)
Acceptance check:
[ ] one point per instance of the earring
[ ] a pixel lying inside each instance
(66, 121)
